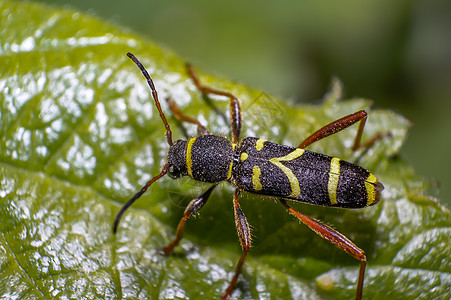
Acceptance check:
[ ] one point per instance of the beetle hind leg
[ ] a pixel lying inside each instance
(343, 123)
(336, 238)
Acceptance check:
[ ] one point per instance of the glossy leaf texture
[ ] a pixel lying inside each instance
(79, 135)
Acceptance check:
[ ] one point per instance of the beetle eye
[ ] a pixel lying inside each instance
(173, 172)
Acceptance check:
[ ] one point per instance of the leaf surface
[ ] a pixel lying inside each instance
(79, 135)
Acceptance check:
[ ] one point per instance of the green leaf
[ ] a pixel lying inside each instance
(79, 135)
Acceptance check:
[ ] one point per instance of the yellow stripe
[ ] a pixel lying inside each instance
(370, 190)
(189, 162)
(334, 175)
(229, 174)
(294, 182)
(244, 156)
(260, 144)
(256, 172)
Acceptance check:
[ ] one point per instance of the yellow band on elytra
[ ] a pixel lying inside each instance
(244, 156)
(294, 182)
(370, 181)
(334, 176)
(260, 144)
(256, 172)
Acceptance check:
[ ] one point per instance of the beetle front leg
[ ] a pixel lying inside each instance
(193, 207)
(201, 130)
(234, 105)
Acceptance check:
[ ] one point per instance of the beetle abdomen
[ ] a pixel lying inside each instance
(276, 170)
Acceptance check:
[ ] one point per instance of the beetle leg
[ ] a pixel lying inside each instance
(234, 106)
(335, 238)
(244, 234)
(201, 130)
(339, 125)
(193, 207)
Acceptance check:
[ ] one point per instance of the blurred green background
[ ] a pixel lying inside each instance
(397, 53)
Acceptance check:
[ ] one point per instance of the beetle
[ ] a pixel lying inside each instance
(258, 166)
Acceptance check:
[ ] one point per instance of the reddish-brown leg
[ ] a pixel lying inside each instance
(193, 207)
(337, 126)
(335, 238)
(244, 234)
(184, 118)
(234, 107)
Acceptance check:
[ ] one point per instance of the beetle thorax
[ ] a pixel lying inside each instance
(205, 158)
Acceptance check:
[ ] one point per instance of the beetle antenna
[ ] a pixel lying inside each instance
(154, 95)
(137, 195)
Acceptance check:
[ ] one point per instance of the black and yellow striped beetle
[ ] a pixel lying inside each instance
(258, 166)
